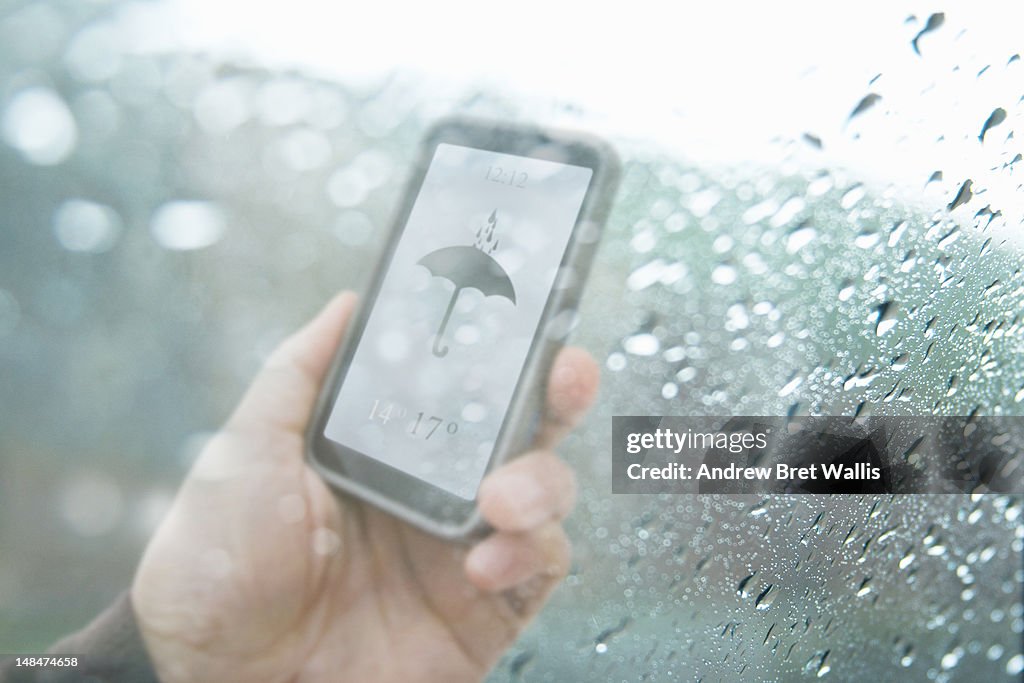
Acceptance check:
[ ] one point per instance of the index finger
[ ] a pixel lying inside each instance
(572, 386)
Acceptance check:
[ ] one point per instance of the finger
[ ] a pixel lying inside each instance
(572, 387)
(284, 391)
(504, 560)
(527, 492)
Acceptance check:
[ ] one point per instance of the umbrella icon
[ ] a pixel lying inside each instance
(469, 268)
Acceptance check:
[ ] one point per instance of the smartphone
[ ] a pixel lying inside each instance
(442, 375)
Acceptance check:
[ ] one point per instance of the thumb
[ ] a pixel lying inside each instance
(284, 392)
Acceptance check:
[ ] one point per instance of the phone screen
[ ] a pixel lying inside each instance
(438, 361)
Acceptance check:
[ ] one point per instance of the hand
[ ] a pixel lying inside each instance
(260, 573)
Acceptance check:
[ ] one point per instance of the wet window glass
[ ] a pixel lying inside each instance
(841, 235)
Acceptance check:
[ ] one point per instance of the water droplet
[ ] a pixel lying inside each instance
(81, 225)
(866, 102)
(790, 386)
(948, 239)
(885, 317)
(674, 354)
(474, 412)
(643, 242)
(325, 541)
(897, 233)
(952, 658)
(643, 344)
(616, 362)
(347, 187)
(934, 22)
(852, 197)
(686, 374)
(467, 334)
(867, 240)
(758, 212)
(800, 238)
(907, 560)
(601, 641)
(185, 225)
(963, 195)
(736, 318)
(646, 275)
(305, 149)
(788, 211)
(224, 105)
(820, 185)
(722, 244)
(741, 588)
(1015, 665)
(723, 275)
(823, 666)
(766, 598)
(997, 116)
(283, 101)
(701, 203)
(39, 125)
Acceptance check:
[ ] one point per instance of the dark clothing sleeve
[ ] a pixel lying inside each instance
(111, 650)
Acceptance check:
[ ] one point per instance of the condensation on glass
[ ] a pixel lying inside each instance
(169, 219)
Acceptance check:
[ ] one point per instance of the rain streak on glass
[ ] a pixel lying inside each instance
(805, 291)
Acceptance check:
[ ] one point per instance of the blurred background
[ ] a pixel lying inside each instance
(820, 213)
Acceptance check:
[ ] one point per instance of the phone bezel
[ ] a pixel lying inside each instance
(418, 502)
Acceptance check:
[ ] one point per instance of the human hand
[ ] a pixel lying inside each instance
(260, 573)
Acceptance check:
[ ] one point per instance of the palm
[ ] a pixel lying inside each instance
(404, 589)
(261, 573)
(343, 587)
(399, 588)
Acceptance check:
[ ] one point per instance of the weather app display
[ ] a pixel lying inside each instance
(439, 359)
